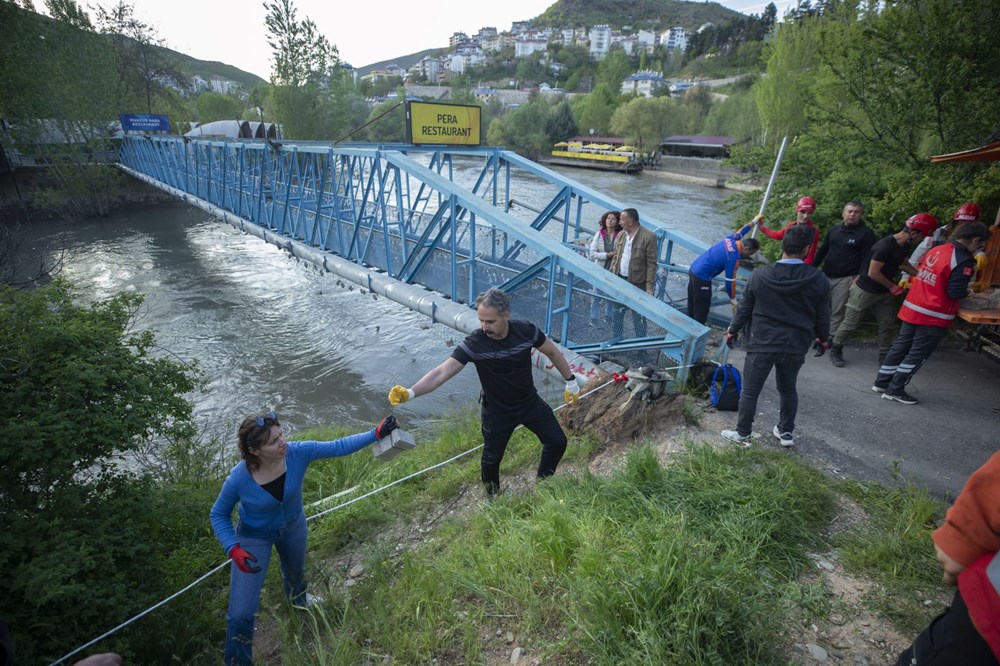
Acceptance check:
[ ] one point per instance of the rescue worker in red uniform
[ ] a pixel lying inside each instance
(803, 215)
(942, 281)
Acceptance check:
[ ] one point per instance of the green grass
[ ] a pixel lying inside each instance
(695, 563)
(701, 561)
(893, 546)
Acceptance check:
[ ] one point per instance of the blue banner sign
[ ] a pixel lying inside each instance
(144, 122)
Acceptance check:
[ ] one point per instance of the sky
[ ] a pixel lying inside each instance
(233, 32)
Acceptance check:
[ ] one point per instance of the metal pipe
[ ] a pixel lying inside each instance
(770, 183)
(438, 307)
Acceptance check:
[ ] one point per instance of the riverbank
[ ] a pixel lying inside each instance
(719, 181)
(26, 194)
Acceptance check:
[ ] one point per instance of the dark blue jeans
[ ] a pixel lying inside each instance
(910, 350)
(498, 426)
(756, 368)
(244, 588)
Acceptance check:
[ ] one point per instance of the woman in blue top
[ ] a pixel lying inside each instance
(267, 484)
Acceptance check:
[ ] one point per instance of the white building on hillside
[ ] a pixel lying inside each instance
(458, 38)
(645, 82)
(600, 41)
(675, 38)
(647, 38)
(528, 44)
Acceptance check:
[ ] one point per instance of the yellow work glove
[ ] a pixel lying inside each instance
(981, 260)
(399, 394)
(572, 391)
(758, 219)
(904, 282)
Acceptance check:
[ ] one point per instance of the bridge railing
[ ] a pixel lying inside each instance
(455, 221)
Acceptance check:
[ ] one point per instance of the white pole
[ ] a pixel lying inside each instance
(770, 183)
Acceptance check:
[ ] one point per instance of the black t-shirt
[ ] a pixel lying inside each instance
(504, 366)
(892, 255)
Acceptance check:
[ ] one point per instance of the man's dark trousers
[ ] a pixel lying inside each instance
(497, 427)
(910, 350)
(756, 367)
(699, 298)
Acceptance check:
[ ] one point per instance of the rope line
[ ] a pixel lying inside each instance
(317, 515)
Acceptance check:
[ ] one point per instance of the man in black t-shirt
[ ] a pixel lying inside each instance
(501, 352)
(876, 287)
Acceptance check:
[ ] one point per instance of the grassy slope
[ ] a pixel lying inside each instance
(701, 561)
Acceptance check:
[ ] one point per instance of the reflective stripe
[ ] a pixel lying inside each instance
(929, 313)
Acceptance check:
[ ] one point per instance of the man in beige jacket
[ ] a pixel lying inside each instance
(634, 260)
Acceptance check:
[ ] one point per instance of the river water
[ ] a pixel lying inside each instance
(272, 332)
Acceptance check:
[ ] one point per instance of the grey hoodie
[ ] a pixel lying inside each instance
(784, 308)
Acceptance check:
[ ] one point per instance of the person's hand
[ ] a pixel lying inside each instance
(949, 565)
(820, 346)
(896, 290)
(981, 260)
(732, 339)
(243, 560)
(904, 282)
(399, 394)
(732, 302)
(386, 426)
(758, 219)
(572, 391)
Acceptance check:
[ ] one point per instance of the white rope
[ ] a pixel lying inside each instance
(322, 513)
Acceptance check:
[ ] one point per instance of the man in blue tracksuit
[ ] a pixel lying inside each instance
(724, 256)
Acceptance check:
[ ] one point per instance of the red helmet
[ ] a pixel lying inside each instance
(925, 223)
(807, 204)
(968, 212)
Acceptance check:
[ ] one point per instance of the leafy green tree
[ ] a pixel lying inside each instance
(80, 539)
(560, 124)
(143, 66)
(388, 123)
(786, 92)
(594, 111)
(212, 106)
(645, 121)
(615, 68)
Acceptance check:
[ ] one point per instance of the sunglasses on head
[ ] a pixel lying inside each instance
(267, 419)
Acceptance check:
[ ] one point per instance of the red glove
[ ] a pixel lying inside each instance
(896, 290)
(243, 560)
(820, 347)
(387, 425)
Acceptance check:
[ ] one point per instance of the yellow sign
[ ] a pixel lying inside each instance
(450, 124)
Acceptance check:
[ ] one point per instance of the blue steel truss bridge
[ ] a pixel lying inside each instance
(431, 227)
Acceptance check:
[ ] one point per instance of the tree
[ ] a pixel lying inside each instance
(78, 529)
(594, 111)
(301, 54)
(560, 124)
(786, 92)
(214, 106)
(645, 121)
(142, 63)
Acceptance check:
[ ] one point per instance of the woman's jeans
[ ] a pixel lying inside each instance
(244, 588)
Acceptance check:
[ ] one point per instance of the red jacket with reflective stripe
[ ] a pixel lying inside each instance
(928, 303)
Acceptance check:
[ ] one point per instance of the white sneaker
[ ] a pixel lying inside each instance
(785, 438)
(734, 436)
(308, 602)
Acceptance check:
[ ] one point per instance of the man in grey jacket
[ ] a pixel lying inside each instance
(785, 307)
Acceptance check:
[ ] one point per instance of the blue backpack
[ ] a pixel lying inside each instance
(725, 388)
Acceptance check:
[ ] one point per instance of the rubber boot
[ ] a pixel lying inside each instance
(837, 355)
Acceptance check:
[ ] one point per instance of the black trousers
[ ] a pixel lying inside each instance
(499, 425)
(699, 298)
(950, 640)
(910, 350)
(756, 367)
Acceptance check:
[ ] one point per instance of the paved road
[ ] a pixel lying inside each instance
(845, 428)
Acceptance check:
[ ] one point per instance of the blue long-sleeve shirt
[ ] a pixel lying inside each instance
(723, 256)
(259, 511)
